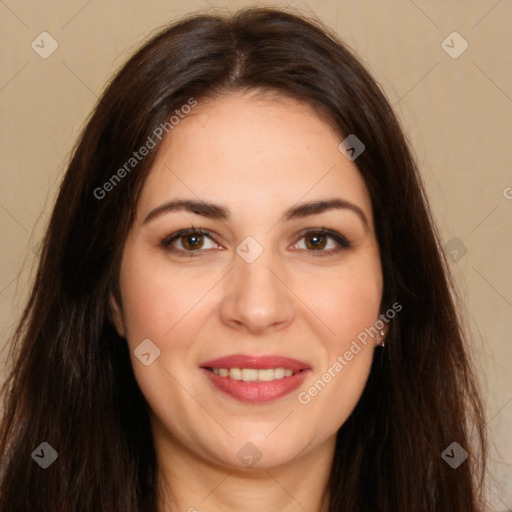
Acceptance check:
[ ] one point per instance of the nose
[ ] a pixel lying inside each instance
(256, 296)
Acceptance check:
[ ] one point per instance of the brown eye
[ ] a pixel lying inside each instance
(316, 241)
(188, 241)
(322, 242)
(192, 241)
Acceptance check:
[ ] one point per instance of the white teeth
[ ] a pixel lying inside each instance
(235, 373)
(266, 375)
(278, 373)
(253, 374)
(249, 374)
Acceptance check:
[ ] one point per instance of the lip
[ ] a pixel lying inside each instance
(256, 362)
(256, 391)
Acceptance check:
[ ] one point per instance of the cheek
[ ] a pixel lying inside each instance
(349, 308)
(347, 301)
(159, 304)
(154, 298)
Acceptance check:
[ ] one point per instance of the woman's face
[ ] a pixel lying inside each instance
(252, 284)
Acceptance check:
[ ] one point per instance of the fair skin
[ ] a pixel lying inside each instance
(257, 157)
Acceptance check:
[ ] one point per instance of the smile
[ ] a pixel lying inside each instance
(255, 379)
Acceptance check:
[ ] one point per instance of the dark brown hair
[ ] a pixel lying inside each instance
(71, 382)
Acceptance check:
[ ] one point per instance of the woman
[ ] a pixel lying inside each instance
(241, 302)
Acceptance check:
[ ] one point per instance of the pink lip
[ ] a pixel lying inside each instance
(256, 392)
(257, 362)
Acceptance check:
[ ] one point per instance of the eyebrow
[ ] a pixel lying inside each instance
(219, 212)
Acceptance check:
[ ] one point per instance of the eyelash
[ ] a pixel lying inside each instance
(342, 242)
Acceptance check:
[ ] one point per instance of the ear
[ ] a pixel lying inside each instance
(116, 315)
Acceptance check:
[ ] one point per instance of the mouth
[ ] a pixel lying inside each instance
(255, 379)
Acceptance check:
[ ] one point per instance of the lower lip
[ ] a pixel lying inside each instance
(256, 392)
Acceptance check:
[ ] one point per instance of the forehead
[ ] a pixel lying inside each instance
(253, 153)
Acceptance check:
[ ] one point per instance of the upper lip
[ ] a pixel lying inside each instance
(256, 362)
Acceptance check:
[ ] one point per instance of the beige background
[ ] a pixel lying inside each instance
(457, 112)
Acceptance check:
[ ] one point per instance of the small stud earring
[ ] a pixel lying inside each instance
(381, 341)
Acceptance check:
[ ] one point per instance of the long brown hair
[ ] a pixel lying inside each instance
(71, 382)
